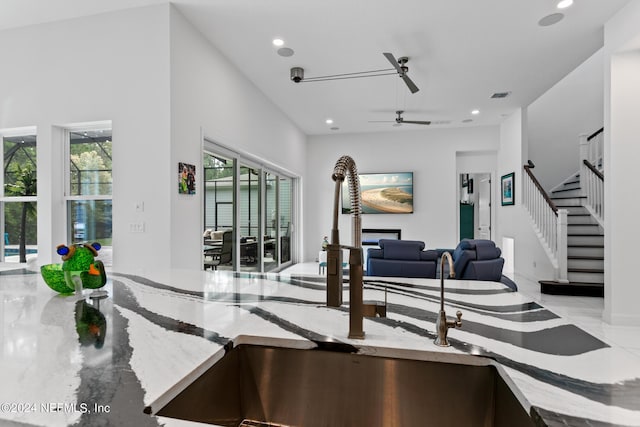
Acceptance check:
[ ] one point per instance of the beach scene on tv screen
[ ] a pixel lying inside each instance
(382, 193)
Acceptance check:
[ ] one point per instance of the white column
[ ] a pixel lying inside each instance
(621, 156)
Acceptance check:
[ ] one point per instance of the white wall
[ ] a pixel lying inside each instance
(211, 96)
(162, 85)
(622, 103)
(115, 67)
(514, 222)
(573, 106)
(429, 154)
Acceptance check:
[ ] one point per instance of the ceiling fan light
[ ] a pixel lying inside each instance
(278, 42)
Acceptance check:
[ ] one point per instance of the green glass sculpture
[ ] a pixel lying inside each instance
(78, 270)
(91, 325)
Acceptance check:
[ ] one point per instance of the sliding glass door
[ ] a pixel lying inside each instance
(250, 227)
(219, 244)
(271, 245)
(285, 209)
(254, 204)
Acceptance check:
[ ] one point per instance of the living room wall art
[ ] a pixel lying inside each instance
(186, 178)
(508, 189)
(382, 193)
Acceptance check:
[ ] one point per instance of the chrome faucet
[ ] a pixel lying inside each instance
(442, 324)
(346, 167)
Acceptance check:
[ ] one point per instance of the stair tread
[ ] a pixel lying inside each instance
(565, 189)
(583, 225)
(588, 235)
(585, 270)
(570, 197)
(586, 257)
(553, 282)
(578, 214)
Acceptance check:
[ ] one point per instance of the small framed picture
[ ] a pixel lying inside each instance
(186, 178)
(508, 189)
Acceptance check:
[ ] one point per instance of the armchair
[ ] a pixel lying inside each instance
(478, 259)
(401, 258)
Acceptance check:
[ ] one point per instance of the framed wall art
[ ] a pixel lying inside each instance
(508, 189)
(186, 178)
(382, 193)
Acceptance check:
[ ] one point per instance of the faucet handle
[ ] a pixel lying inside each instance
(459, 321)
(455, 323)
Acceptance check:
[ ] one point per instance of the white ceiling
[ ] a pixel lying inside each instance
(461, 52)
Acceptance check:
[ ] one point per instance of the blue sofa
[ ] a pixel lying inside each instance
(478, 259)
(401, 258)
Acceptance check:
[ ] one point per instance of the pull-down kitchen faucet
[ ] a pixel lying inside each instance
(346, 168)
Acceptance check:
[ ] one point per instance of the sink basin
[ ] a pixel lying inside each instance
(262, 385)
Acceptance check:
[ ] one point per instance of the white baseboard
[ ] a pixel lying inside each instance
(621, 319)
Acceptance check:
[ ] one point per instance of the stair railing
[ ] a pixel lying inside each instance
(591, 176)
(550, 223)
(592, 148)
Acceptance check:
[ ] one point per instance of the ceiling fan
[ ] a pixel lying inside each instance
(400, 120)
(399, 66)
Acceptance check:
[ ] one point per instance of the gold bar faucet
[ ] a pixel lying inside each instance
(442, 324)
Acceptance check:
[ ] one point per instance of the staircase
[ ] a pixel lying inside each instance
(585, 244)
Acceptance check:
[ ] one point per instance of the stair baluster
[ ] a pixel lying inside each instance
(550, 222)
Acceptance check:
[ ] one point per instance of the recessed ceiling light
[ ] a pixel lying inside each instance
(278, 42)
(329, 121)
(285, 51)
(548, 20)
(563, 4)
(475, 112)
(335, 128)
(467, 121)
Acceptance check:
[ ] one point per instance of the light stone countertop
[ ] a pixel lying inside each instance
(58, 368)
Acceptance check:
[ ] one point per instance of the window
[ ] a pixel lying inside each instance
(18, 208)
(89, 187)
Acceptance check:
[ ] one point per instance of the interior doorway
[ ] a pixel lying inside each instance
(475, 206)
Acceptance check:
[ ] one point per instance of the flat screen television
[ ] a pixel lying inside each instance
(382, 193)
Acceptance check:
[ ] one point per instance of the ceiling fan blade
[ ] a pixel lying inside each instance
(417, 122)
(381, 121)
(412, 86)
(393, 61)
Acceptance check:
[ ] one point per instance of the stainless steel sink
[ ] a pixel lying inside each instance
(259, 385)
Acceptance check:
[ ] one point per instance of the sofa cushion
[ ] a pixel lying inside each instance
(430, 255)
(375, 253)
(401, 249)
(217, 235)
(486, 249)
(400, 268)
